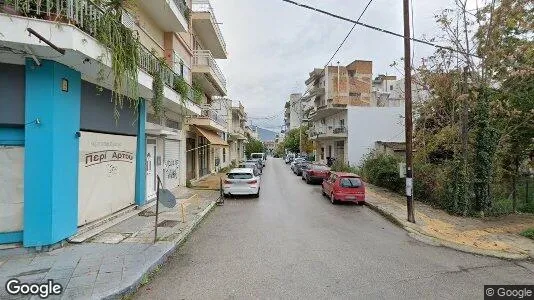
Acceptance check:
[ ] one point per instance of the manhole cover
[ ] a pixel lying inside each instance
(168, 223)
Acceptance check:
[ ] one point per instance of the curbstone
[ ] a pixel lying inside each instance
(434, 241)
(168, 248)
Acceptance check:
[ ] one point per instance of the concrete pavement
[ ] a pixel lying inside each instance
(292, 243)
(111, 264)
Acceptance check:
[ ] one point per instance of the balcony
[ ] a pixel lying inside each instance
(209, 120)
(324, 132)
(207, 28)
(169, 15)
(208, 74)
(71, 25)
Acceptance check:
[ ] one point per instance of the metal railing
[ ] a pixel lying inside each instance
(85, 15)
(205, 6)
(204, 58)
(182, 7)
(210, 114)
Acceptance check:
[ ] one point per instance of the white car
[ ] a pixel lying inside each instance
(241, 181)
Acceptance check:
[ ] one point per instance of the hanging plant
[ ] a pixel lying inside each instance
(181, 87)
(197, 92)
(123, 48)
(157, 89)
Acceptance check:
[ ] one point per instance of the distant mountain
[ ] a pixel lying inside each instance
(264, 134)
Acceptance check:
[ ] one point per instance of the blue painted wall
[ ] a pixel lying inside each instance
(51, 153)
(140, 160)
(10, 237)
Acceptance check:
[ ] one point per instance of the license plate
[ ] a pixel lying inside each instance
(351, 197)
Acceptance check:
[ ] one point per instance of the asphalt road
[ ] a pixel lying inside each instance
(291, 243)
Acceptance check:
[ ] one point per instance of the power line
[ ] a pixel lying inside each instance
(357, 22)
(340, 45)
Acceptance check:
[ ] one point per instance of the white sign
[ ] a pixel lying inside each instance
(402, 170)
(106, 181)
(11, 188)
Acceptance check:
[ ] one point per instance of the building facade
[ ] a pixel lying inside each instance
(75, 146)
(332, 91)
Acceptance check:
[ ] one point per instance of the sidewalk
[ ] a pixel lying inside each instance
(113, 263)
(210, 182)
(497, 236)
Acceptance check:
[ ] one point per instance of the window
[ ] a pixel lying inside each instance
(173, 124)
(224, 154)
(239, 176)
(354, 94)
(391, 87)
(350, 182)
(322, 152)
(352, 73)
(342, 123)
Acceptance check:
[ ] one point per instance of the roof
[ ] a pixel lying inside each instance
(395, 146)
(345, 174)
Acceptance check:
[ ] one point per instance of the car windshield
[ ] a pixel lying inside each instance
(239, 175)
(350, 182)
(256, 155)
(320, 168)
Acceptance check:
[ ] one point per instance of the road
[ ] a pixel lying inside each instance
(292, 243)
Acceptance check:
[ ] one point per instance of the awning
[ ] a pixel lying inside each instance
(212, 137)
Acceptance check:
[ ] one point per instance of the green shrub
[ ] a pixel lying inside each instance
(382, 170)
(529, 233)
(339, 166)
(181, 87)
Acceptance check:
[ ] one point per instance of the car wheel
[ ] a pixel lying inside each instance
(308, 181)
(332, 199)
(257, 195)
(322, 191)
(226, 195)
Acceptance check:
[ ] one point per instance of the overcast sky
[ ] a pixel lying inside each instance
(273, 45)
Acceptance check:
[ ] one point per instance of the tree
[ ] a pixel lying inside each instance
(254, 146)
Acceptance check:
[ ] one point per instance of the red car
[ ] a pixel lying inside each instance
(315, 173)
(344, 187)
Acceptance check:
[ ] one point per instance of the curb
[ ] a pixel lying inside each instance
(434, 241)
(173, 246)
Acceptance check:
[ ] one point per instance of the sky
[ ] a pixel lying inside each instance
(273, 45)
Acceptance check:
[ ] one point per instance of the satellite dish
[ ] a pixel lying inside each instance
(166, 198)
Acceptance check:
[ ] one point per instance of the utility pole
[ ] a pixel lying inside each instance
(408, 111)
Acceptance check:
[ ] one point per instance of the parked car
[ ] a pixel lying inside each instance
(258, 163)
(289, 158)
(299, 167)
(260, 156)
(253, 165)
(316, 173)
(294, 162)
(344, 187)
(241, 181)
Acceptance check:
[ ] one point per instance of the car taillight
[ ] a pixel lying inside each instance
(226, 181)
(252, 182)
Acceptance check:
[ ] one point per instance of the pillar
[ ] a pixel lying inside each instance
(53, 93)
(140, 157)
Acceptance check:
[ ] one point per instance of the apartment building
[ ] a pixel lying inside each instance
(296, 110)
(332, 91)
(237, 138)
(94, 158)
(388, 91)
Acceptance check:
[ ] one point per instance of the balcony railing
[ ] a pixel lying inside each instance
(85, 15)
(204, 58)
(182, 7)
(205, 6)
(210, 114)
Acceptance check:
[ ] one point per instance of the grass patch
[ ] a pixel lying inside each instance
(529, 233)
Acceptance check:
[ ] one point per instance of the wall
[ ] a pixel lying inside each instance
(366, 125)
(97, 112)
(106, 176)
(12, 84)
